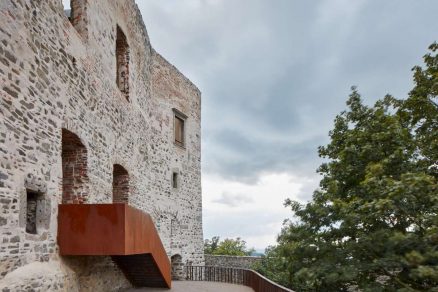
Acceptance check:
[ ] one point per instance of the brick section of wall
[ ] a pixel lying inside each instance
(120, 184)
(243, 262)
(74, 169)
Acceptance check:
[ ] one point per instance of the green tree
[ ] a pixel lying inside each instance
(373, 224)
(210, 246)
(236, 247)
(274, 265)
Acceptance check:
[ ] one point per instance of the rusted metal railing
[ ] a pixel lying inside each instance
(238, 276)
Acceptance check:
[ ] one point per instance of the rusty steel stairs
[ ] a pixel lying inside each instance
(126, 234)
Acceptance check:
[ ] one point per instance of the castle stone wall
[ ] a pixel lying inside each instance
(56, 75)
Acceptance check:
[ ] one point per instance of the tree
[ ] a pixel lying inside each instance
(210, 246)
(236, 247)
(274, 265)
(373, 224)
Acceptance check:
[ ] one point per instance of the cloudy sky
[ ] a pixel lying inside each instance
(273, 75)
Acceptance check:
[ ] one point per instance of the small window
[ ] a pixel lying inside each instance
(122, 60)
(179, 127)
(175, 180)
(179, 131)
(31, 211)
(120, 184)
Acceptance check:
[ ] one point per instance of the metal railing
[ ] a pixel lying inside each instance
(238, 276)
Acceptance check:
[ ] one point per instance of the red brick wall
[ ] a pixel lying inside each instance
(74, 169)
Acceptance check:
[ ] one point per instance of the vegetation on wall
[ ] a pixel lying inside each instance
(373, 223)
(228, 246)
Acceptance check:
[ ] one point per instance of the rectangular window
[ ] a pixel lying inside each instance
(179, 127)
(175, 180)
(31, 212)
(179, 131)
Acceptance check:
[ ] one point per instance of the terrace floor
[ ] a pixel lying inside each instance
(197, 286)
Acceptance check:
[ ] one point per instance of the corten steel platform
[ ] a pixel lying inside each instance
(118, 230)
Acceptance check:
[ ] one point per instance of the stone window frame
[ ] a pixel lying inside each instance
(35, 184)
(177, 114)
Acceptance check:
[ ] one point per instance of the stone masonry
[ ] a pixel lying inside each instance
(241, 262)
(87, 115)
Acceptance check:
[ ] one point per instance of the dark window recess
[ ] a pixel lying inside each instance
(120, 184)
(122, 58)
(31, 212)
(175, 180)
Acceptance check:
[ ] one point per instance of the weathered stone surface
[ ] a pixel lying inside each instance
(55, 75)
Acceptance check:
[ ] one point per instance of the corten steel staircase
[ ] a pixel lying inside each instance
(126, 234)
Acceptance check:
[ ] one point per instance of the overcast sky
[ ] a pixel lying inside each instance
(273, 75)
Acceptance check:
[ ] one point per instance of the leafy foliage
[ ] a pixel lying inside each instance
(274, 265)
(373, 224)
(235, 247)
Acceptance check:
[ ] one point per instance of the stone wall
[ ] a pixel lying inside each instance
(243, 262)
(59, 78)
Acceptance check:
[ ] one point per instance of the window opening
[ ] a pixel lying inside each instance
(120, 184)
(122, 58)
(179, 127)
(31, 211)
(175, 180)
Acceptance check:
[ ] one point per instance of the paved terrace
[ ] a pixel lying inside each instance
(197, 286)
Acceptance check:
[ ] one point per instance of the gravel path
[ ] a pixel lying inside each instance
(197, 286)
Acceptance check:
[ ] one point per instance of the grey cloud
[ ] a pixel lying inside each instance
(238, 225)
(245, 158)
(233, 200)
(274, 76)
